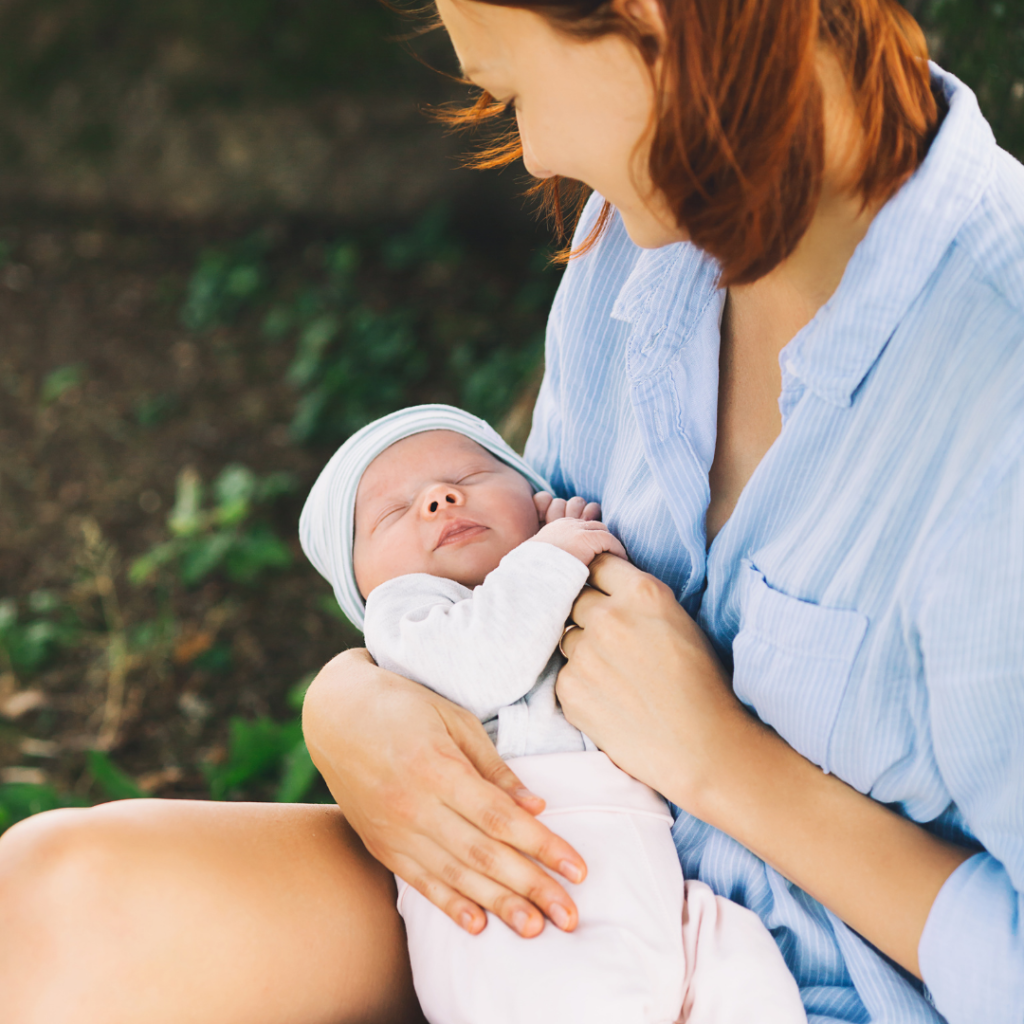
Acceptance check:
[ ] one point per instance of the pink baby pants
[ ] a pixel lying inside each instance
(647, 950)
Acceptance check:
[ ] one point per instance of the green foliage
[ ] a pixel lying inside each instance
(262, 750)
(219, 535)
(62, 379)
(982, 43)
(383, 322)
(19, 800)
(114, 783)
(290, 49)
(224, 283)
(27, 646)
(267, 752)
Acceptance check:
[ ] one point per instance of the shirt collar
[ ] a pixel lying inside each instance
(902, 249)
(904, 245)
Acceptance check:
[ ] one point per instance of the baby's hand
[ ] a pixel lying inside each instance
(549, 509)
(581, 538)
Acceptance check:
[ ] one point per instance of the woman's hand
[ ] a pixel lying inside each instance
(420, 781)
(644, 683)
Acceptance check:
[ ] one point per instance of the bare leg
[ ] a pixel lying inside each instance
(175, 912)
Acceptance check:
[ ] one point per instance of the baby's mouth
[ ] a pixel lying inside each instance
(458, 530)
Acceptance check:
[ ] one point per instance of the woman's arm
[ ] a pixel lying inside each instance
(644, 683)
(421, 783)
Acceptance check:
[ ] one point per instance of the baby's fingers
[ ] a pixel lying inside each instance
(574, 507)
(556, 510)
(592, 511)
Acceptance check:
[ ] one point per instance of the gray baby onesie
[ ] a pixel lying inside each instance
(492, 650)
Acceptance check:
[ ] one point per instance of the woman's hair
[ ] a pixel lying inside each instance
(738, 144)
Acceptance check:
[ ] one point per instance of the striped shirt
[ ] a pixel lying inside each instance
(868, 590)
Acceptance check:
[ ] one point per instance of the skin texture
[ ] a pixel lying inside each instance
(216, 914)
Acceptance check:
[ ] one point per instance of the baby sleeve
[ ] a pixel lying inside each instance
(481, 648)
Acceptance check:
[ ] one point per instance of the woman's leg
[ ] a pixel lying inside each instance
(180, 912)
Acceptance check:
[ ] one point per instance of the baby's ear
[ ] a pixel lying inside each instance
(543, 501)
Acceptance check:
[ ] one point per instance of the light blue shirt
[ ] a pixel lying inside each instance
(868, 589)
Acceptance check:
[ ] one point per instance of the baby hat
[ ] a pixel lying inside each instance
(327, 523)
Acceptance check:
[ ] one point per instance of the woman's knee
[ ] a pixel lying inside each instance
(57, 868)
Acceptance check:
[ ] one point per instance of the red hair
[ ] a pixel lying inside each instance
(738, 141)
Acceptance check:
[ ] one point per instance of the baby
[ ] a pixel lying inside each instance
(429, 527)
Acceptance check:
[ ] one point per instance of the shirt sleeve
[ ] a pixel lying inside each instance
(972, 640)
(485, 648)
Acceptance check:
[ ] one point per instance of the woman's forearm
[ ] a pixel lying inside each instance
(420, 782)
(877, 871)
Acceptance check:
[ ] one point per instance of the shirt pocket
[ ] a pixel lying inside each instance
(792, 662)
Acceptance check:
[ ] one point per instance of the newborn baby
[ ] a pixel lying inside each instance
(431, 531)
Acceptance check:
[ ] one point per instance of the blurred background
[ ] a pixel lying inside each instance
(229, 236)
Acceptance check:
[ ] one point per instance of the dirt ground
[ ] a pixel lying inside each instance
(88, 462)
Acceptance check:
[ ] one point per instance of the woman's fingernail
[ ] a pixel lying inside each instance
(522, 793)
(571, 871)
(466, 920)
(520, 919)
(559, 915)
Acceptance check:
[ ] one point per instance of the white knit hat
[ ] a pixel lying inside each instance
(327, 524)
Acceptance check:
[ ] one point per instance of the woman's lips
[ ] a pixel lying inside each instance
(457, 531)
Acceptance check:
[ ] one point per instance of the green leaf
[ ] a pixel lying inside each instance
(312, 344)
(217, 659)
(8, 613)
(256, 751)
(258, 549)
(20, 800)
(234, 491)
(297, 694)
(116, 784)
(43, 602)
(62, 379)
(298, 777)
(202, 556)
(186, 517)
(278, 323)
(146, 566)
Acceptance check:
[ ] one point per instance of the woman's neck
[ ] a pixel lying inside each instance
(788, 297)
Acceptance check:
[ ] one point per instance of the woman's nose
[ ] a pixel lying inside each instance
(438, 498)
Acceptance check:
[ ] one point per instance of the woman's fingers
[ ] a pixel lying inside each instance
(464, 912)
(611, 574)
(499, 879)
(501, 819)
(480, 751)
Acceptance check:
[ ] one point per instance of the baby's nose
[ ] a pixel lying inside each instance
(439, 498)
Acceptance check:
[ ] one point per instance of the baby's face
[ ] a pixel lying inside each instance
(440, 504)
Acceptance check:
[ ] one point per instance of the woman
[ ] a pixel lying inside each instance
(852, 550)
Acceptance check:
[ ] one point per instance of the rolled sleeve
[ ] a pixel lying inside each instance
(972, 948)
(972, 640)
